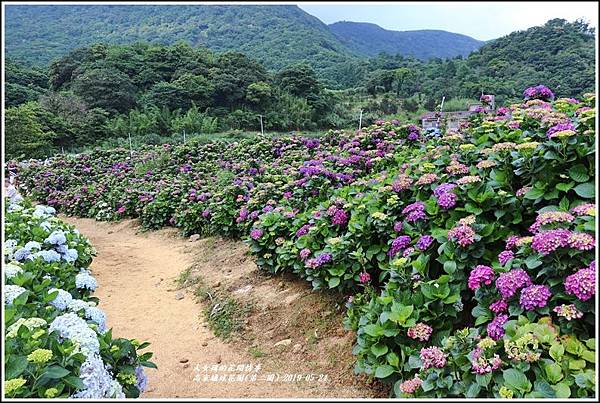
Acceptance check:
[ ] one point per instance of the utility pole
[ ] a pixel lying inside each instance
(261, 125)
(360, 120)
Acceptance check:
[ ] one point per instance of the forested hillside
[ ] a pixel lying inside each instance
(558, 53)
(105, 92)
(370, 39)
(277, 35)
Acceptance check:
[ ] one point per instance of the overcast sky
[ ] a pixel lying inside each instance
(481, 20)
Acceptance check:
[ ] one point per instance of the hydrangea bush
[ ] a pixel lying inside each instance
(57, 343)
(439, 244)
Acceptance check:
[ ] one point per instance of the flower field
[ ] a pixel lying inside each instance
(467, 261)
(57, 343)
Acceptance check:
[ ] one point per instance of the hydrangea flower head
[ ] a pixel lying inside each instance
(510, 282)
(480, 275)
(534, 296)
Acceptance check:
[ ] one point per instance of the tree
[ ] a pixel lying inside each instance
(400, 75)
(25, 136)
(106, 88)
(299, 80)
(259, 93)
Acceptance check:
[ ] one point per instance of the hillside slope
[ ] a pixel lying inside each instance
(370, 39)
(275, 35)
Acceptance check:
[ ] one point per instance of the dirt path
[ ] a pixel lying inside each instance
(137, 273)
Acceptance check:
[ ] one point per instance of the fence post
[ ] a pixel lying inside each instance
(183, 136)
(261, 125)
(360, 120)
(130, 146)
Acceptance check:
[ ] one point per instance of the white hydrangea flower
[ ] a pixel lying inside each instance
(11, 292)
(30, 323)
(11, 270)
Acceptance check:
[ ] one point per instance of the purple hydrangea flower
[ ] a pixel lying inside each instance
(303, 230)
(424, 242)
(505, 256)
(398, 244)
(256, 233)
(495, 329)
(480, 275)
(582, 284)
(499, 306)
(443, 188)
(548, 241)
(538, 92)
(432, 357)
(447, 200)
(510, 282)
(534, 296)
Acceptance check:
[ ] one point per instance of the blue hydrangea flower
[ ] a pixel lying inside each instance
(71, 326)
(71, 255)
(97, 316)
(62, 300)
(77, 305)
(43, 211)
(49, 256)
(142, 378)
(95, 377)
(21, 254)
(116, 390)
(85, 280)
(46, 225)
(11, 292)
(62, 249)
(56, 238)
(33, 245)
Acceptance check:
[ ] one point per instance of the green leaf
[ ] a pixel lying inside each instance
(450, 267)
(56, 372)
(384, 371)
(534, 193)
(75, 382)
(532, 261)
(579, 173)
(557, 351)
(334, 282)
(516, 380)
(373, 330)
(591, 343)
(404, 313)
(565, 187)
(473, 390)
(15, 366)
(392, 359)
(576, 364)
(586, 190)
(543, 389)
(562, 390)
(148, 364)
(553, 372)
(379, 349)
(589, 356)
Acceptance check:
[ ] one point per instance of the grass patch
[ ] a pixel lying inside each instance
(256, 352)
(226, 316)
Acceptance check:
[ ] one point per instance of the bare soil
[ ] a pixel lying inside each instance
(137, 274)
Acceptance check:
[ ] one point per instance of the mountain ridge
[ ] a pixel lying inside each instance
(369, 39)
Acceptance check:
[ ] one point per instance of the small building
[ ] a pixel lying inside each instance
(452, 119)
